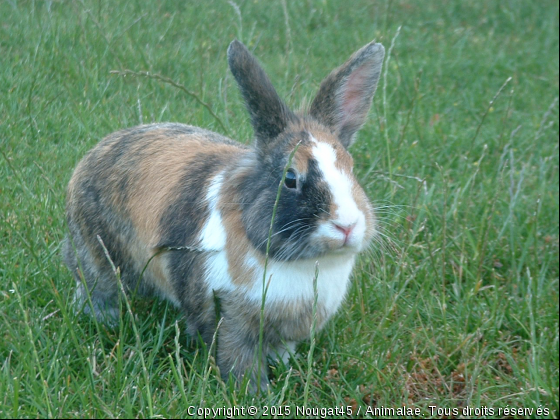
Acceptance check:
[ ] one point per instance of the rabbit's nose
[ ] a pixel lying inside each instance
(346, 229)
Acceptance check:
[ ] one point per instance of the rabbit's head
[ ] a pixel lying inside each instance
(321, 207)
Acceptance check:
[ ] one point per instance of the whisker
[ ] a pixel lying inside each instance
(284, 228)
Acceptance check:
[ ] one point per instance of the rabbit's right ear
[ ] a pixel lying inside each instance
(269, 114)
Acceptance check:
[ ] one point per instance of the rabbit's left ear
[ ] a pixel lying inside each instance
(269, 114)
(345, 96)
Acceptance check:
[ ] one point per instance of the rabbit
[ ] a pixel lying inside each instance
(185, 213)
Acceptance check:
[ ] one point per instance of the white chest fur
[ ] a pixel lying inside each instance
(288, 282)
(292, 281)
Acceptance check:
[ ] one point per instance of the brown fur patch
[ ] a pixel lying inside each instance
(155, 269)
(301, 159)
(156, 175)
(238, 245)
(158, 172)
(364, 205)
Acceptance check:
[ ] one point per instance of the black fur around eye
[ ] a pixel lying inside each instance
(291, 179)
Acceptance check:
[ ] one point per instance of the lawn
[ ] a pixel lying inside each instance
(454, 312)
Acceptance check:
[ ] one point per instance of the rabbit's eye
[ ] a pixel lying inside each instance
(291, 179)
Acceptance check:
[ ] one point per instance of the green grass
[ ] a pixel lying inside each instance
(458, 305)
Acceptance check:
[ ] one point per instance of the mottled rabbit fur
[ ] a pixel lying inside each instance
(185, 213)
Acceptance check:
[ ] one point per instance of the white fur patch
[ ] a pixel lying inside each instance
(213, 234)
(292, 281)
(213, 238)
(340, 185)
(217, 275)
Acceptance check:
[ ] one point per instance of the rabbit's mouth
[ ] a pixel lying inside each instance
(347, 248)
(340, 237)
